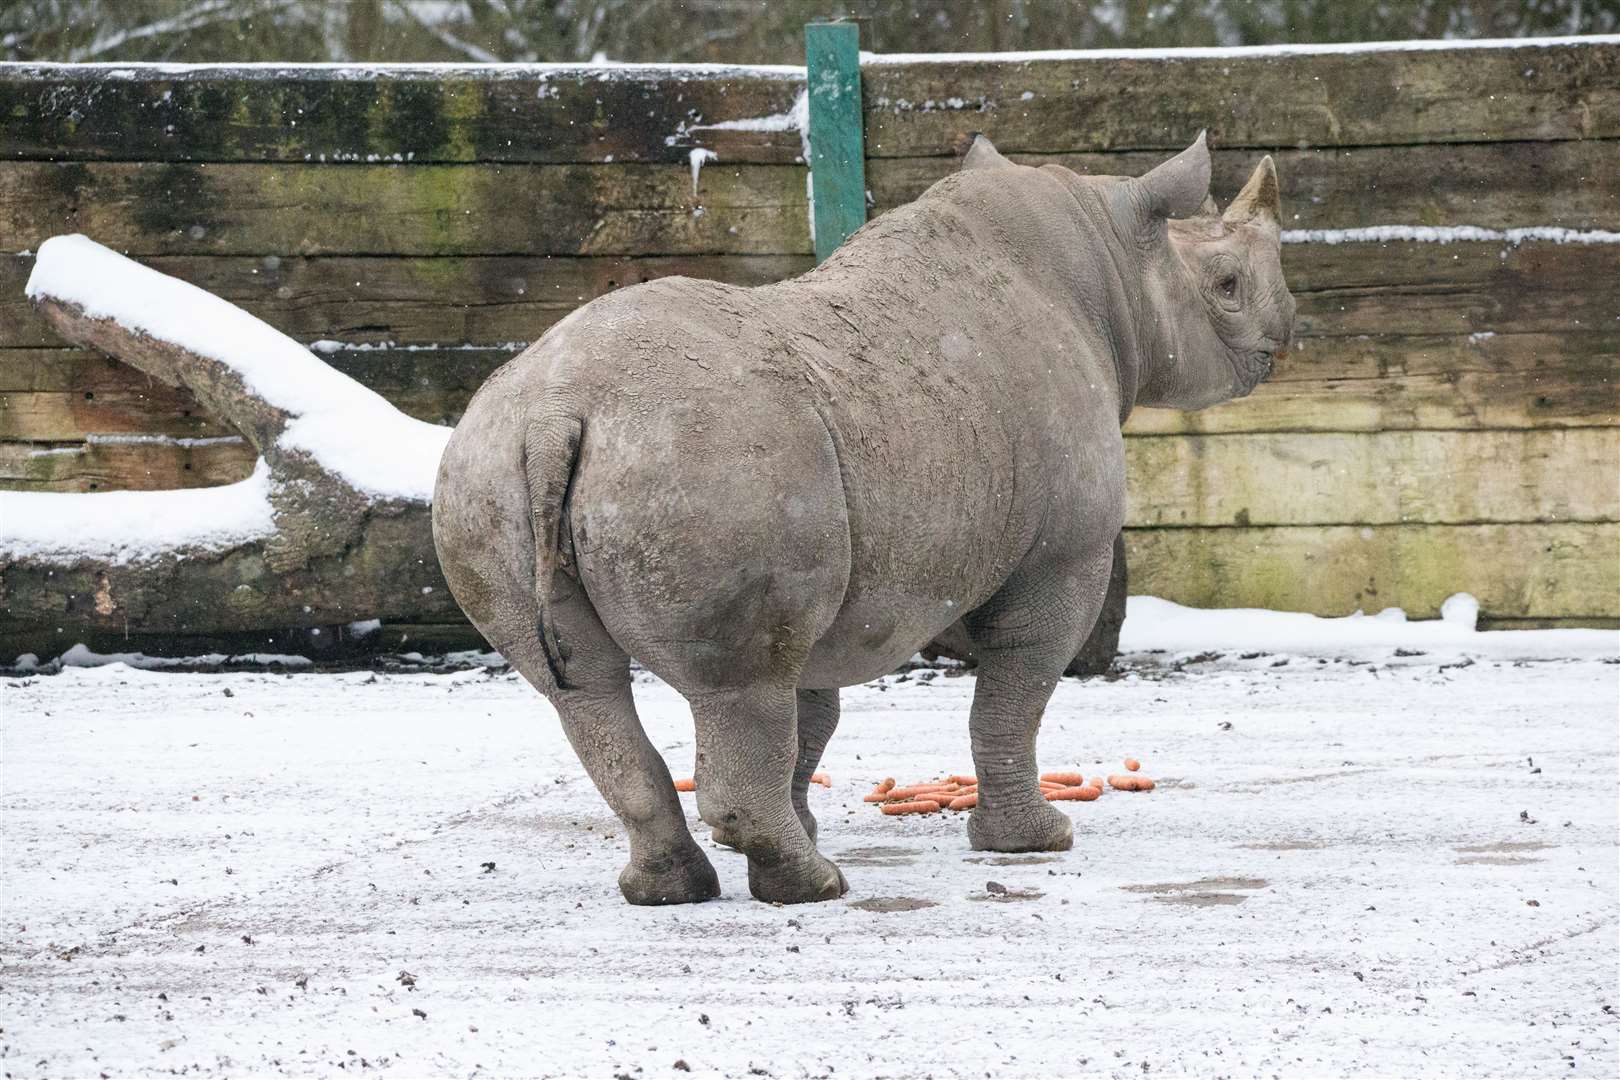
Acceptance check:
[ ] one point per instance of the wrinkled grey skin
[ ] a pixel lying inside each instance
(766, 494)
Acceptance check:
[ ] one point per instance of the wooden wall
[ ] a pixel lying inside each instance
(1449, 421)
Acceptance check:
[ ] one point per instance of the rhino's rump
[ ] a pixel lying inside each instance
(758, 477)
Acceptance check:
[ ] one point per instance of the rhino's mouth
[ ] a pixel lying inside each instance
(1252, 368)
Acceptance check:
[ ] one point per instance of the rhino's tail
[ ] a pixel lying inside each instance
(550, 454)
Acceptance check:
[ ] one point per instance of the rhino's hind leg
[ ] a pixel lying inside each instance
(743, 791)
(666, 865)
(1025, 636)
(818, 718)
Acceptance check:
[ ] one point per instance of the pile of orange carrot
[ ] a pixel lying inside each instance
(962, 792)
(686, 783)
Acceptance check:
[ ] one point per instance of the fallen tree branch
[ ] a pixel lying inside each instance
(332, 527)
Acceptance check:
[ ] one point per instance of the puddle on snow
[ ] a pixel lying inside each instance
(1503, 846)
(1011, 860)
(1496, 860)
(1006, 896)
(886, 904)
(877, 856)
(1205, 892)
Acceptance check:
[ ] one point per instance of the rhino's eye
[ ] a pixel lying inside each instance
(1228, 286)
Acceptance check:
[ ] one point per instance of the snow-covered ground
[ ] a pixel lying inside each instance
(1355, 863)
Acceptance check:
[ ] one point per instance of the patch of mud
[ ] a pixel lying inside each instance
(1286, 845)
(878, 856)
(1496, 860)
(1503, 846)
(1205, 892)
(1011, 860)
(887, 904)
(1202, 899)
(1009, 896)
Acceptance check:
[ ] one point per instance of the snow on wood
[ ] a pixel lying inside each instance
(1152, 624)
(696, 158)
(348, 429)
(121, 527)
(614, 71)
(1240, 52)
(795, 119)
(1448, 234)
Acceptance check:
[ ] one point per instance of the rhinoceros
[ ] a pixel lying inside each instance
(766, 494)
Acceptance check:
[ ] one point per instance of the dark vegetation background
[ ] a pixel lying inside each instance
(734, 31)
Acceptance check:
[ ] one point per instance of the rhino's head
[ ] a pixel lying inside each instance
(1215, 310)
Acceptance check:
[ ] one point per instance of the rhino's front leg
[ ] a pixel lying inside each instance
(818, 718)
(747, 749)
(1025, 636)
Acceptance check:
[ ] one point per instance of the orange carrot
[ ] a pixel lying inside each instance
(1067, 779)
(1073, 794)
(1096, 782)
(1132, 764)
(1130, 783)
(914, 791)
(821, 778)
(920, 806)
(888, 783)
(686, 784)
(965, 781)
(876, 796)
(965, 802)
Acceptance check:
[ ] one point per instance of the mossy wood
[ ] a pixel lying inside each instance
(1571, 184)
(416, 113)
(145, 209)
(642, 210)
(1458, 94)
(1057, 104)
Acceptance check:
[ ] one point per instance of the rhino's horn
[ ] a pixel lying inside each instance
(983, 155)
(1177, 188)
(1260, 197)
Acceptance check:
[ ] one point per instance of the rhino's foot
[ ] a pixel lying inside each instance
(796, 881)
(1035, 826)
(682, 877)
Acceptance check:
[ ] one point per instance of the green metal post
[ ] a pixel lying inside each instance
(837, 151)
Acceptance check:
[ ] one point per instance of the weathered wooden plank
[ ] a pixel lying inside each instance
(421, 113)
(142, 463)
(643, 210)
(1374, 478)
(1516, 571)
(488, 301)
(1572, 185)
(1507, 381)
(1404, 382)
(1407, 287)
(307, 209)
(64, 416)
(1112, 101)
(1344, 290)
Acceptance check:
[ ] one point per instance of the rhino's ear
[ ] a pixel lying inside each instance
(1176, 189)
(1260, 199)
(982, 155)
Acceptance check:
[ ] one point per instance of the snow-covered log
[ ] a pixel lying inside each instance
(333, 525)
